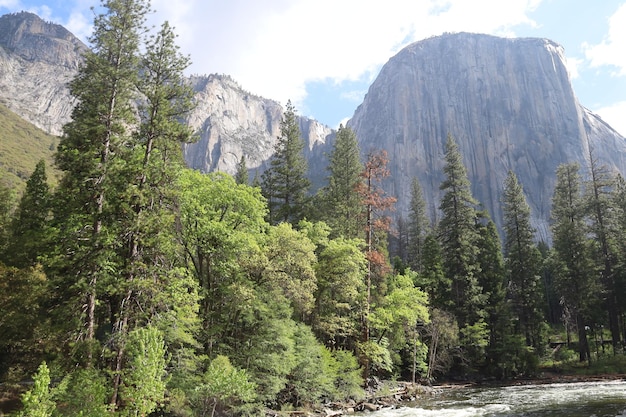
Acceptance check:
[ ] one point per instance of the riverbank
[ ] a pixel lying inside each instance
(393, 394)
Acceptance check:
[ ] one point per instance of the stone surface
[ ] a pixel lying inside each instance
(232, 122)
(37, 60)
(508, 103)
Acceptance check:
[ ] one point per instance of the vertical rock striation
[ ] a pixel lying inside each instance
(508, 103)
(232, 122)
(37, 60)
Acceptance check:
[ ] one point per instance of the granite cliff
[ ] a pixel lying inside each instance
(509, 105)
(38, 59)
(232, 122)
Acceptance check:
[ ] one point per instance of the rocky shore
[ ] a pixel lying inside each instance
(394, 394)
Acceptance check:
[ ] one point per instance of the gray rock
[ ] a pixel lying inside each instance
(508, 103)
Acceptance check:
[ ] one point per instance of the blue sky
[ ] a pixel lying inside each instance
(323, 54)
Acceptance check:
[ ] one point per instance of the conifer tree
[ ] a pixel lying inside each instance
(29, 222)
(418, 227)
(575, 279)
(92, 144)
(285, 184)
(604, 230)
(146, 217)
(242, 176)
(459, 238)
(523, 261)
(342, 206)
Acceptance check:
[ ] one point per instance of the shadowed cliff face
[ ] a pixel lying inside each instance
(232, 122)
(508, 103)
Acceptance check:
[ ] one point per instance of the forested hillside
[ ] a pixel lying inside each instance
(137, 286)
(22, 145)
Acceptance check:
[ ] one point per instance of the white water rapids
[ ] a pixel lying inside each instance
(585, 399)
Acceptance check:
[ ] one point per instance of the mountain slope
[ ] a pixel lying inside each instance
(37, 60)
(22, 145)
(508, 103)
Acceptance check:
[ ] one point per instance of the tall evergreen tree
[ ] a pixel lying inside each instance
(491, 278)
(418, 227)
(7, 206)
(242, 176)
(92, 144)
(29, 222)
(575, 279)
(285, 184)
(459, 238)
(149, 257)
(342, 203)
(603, 225)
(523, 261)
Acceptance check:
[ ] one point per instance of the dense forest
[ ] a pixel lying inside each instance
(137, 286)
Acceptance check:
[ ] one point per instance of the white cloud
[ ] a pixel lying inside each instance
(611, 50)
(572, 65)
(615, 116)
(9, 4)
(272, 48)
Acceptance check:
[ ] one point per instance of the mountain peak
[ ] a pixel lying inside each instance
(33, 39)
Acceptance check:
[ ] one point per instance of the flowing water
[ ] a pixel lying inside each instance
(588, 399)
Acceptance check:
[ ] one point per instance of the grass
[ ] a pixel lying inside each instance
(22, 145)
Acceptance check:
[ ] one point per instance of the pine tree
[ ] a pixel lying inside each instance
(242, 176)
(285, 184)
(418, 227)
(523, 261)
(491, 279)
(575, 279)
(29, 222)
(459, 238)
(342, 204)
(604, 229)
(146, 216)
(7, 206)
(89, 154)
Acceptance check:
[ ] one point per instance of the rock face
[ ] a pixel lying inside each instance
(232, 122)
(509, 105)
(37, 60)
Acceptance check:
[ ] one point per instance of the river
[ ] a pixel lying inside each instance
(585, 399)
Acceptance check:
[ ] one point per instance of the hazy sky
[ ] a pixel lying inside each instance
(323, 54)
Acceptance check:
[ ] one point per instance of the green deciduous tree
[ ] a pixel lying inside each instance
(221, 225)
(285, 184)
(224, 387)
(340, 272)
(38, 402)
(24, 324)
(144, 378)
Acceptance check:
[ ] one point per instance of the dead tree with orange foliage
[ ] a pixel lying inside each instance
(377, 222)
